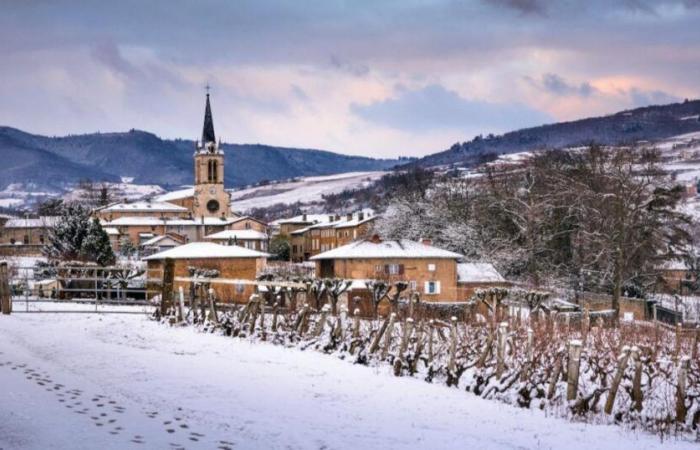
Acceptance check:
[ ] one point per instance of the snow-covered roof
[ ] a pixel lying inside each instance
(157, 206)
(305, 218)
(44, 221)
(354, 222)
(238, 234)
(477, 272)
(111, 231)
(153, 221)
(200, 250)
(159, 240)
(175, 195)
(367, 249)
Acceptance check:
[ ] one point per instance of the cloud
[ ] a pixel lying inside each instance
(557, 85)
(435, 107)
(522, 6)
(639, 97)
(109, 54)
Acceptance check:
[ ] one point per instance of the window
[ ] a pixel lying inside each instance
(412, 285)
(212, 171)
(431, 267)
(26, 239)
(390, 269)
(432, 287)
(240, 288)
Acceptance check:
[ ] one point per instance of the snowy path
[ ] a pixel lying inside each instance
(122, 381)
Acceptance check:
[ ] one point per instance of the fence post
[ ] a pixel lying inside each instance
(166, 288)
(5, 299)
(681, 410)
(501, 349)
(621, 366)
(573, 368)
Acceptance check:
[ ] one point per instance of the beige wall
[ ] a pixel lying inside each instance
(232, 268)
(414, 269)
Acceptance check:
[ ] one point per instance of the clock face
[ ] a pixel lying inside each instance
(212, 206)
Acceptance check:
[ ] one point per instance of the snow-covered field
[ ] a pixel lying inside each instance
(115, 381)
(305, 190)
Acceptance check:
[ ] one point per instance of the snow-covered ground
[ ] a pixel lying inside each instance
(305, 190)
(114, 381)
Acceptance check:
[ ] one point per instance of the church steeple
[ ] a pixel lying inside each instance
(208, 130)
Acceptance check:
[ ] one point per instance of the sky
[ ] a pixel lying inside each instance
(381, 78)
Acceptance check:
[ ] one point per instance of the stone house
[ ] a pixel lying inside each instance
(232, 262)
(429, 270)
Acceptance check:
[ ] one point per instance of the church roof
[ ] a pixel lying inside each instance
(208, 130)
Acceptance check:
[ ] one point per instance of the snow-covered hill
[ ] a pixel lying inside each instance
(304, 190)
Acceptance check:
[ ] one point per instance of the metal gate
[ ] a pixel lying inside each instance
(83, 289)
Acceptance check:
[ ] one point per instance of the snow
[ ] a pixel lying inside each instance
(304, 190)
(41, 222)
(386, 249)
(145, 206)
(237, 234)
(154, 221)
(176, 195)
(10, 202)
(198, 250)
(149, 378)
(476, 272)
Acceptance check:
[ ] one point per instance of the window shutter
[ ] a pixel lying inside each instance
(400, 269)
(386, 269)
(437, 287)
(426, 288)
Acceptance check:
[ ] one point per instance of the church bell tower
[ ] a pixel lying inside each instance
(210, 198)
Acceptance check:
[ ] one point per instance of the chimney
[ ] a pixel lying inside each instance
(360, 216)
(303, 217)
(375, 239)
(349, 217)
(337, 217)
(426, 241)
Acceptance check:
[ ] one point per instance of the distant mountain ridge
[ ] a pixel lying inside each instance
(52, 163)
(648, 123)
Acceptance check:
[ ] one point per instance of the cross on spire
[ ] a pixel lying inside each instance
(207, 88)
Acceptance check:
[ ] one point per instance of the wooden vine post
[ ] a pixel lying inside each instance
(213, 316)
(637, 396)
(5, 299)
(181, 304)
(501, 348)
(452, 366)
(573, 369)
(166, 292)
(617, 379)
(681, 389)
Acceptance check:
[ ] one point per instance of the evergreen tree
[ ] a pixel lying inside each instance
(78, 237)
(96, 246)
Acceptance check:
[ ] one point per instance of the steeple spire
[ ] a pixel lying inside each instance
(208, 130)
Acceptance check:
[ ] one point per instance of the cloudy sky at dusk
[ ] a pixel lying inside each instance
(378, 78)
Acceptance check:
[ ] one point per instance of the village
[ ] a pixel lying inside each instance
(331, 282)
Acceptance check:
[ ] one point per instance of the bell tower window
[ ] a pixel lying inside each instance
(212, 171)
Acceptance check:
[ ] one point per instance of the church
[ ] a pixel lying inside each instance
(200, 213)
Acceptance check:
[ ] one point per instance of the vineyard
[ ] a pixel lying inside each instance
(640, 375)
